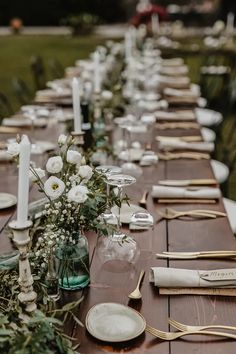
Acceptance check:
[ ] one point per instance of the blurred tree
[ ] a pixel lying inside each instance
(50, 12)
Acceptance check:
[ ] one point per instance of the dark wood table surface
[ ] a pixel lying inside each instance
(113, 282)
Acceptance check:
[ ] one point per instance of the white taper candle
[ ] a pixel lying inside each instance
(76, 104)
(23, 181)
(155, 24)
(97, 73)
(230, 23)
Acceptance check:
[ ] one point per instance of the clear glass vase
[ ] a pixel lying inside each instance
(73, 264)
(51, 279)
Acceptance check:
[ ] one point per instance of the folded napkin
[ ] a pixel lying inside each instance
(24, 122)
(170, 145)
(186, 193)
(180, 115)
(174, 71)
(5, 156)
(173, 82)
(178, 278)
(180, 93)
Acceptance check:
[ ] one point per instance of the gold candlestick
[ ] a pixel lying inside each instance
(27, 295)
(78, 138)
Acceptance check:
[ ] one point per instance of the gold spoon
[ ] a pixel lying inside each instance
(136, 294)
(143, 200)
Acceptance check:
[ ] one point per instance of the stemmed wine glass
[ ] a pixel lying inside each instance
(118, 246)
(108, 170)
(129, 167)
(31, 113)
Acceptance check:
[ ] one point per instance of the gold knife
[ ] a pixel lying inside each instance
(188, 182)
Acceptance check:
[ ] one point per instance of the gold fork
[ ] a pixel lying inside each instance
(184, 328)
(175, 335)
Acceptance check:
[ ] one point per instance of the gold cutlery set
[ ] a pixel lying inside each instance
(197, 255)
(185, 330)
(167, 156)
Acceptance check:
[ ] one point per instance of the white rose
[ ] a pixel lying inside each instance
(39, 172)
(54, 187)
(73, 157)
(107, 95)
(54, 164)
(85, 172)
(78, 194)
(62, 139)
(13, 149)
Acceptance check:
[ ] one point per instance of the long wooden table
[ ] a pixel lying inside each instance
(110, 283)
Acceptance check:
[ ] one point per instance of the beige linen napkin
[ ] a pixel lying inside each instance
(188, 193)
(180, 115)
(24, 122)
(5, 156)
(186, 278)
(182, 82)
(170, 145)
(174, 71)
(180, 95)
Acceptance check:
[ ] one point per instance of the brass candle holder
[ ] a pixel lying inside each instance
(78, 138)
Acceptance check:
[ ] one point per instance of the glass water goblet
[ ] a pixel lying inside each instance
(119, 246)
(129, 167)
(108, 170)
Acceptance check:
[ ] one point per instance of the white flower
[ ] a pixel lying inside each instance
(78, 194)
(54, 187)
(107, 95)
(83, 161)
(85, 172)
(62, 139)
(39, 174)
(73, 157)
(54, 164)
(13, 149)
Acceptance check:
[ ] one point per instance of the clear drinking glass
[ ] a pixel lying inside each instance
(118, 246)
(108, 170)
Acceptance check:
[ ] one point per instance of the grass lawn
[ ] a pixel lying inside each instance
(16, 52)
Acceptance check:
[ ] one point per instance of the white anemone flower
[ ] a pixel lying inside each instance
(85, 172)
(54, 164)
(78, 194)
(62, 139)
(54, 187)
(73, 157)
(13, 149)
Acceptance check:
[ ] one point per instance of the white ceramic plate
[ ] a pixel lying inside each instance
(7, 200)
(207, 117)
(127, 211)
(208, 135)
(112, 322)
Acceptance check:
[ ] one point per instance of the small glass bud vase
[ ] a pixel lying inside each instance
(73, 263)
(51, 279)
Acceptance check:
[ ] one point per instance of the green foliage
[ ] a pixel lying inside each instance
(43, 332)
